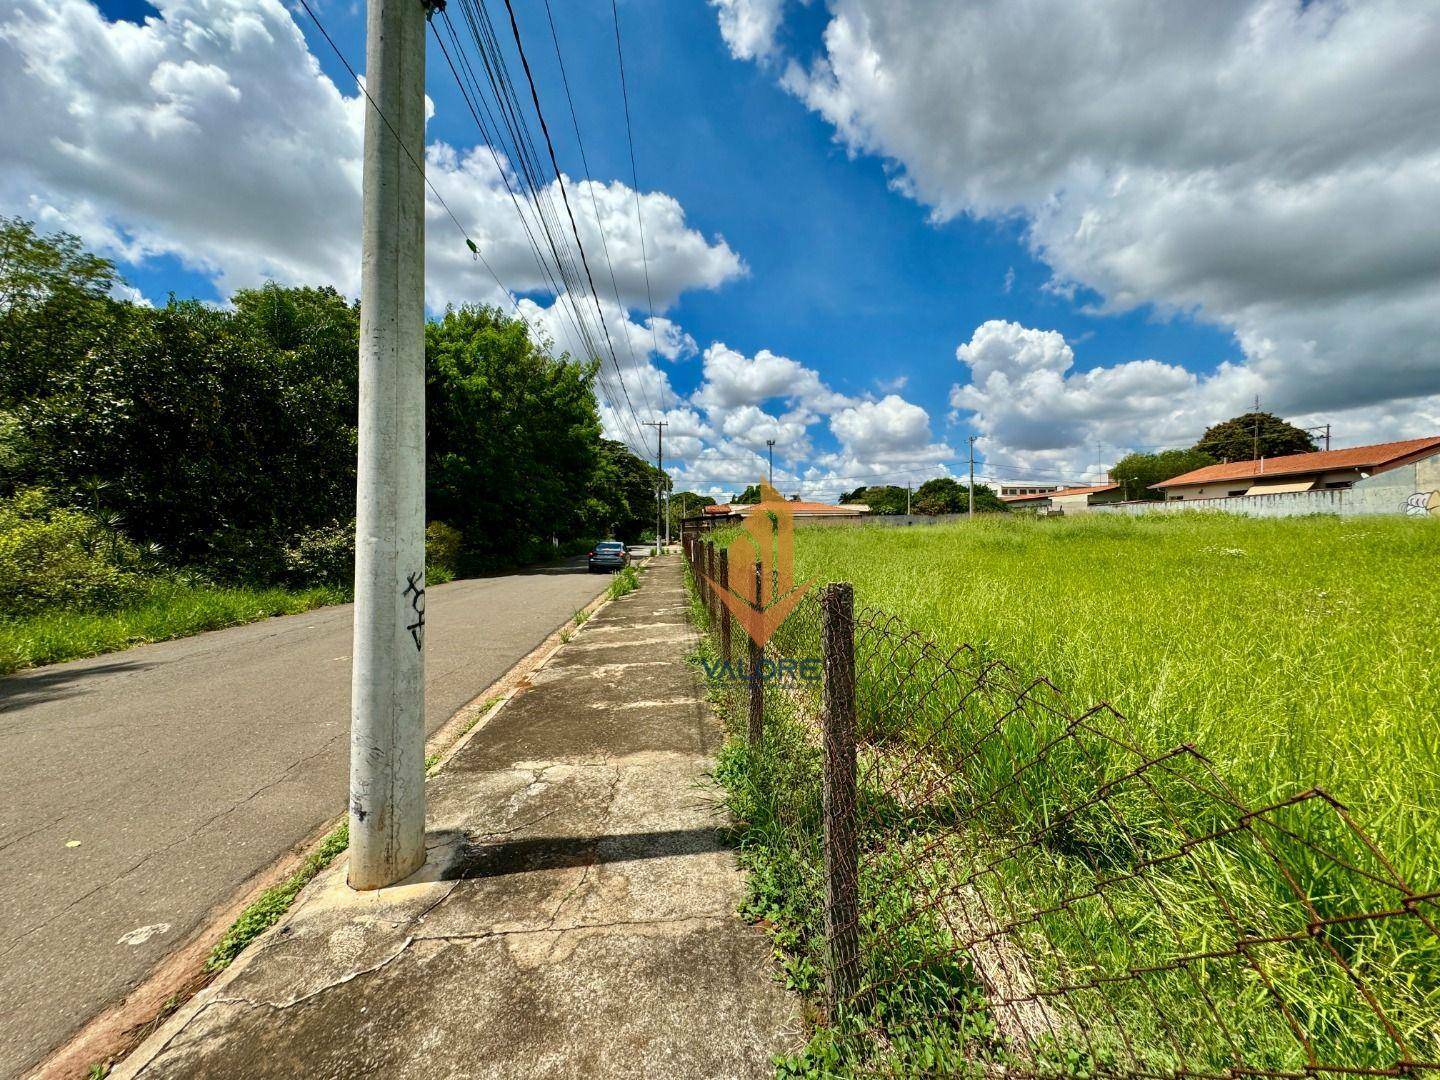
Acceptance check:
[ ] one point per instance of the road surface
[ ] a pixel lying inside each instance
(183, 768)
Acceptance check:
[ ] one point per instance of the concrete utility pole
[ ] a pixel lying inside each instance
(771, 444)
(972, 477)
(660, 515)
(387, 700)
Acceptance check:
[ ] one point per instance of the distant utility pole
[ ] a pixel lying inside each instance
(907, 498)
(972, 477)
(1327, 437)
(771, 444)
(387, 695)
(660, 515)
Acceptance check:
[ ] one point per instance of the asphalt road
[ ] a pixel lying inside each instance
(184, 768)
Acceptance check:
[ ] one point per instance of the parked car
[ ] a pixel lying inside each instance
(609, 555)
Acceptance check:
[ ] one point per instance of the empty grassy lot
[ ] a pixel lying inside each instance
(1292, 652)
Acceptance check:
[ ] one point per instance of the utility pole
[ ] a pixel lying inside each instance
(660, 515)
(1327, 438)
(972, 477)
(387, 695)
(771, 444)
(907, 498)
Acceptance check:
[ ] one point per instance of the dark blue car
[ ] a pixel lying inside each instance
(609, 555)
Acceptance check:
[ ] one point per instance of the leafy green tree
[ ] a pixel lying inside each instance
(1254, 434)
(228, 437)
(942, 495)
(1135, 473)
(513, 436)
(882, 499)
(622, 494)
(750, 495)
(945, 495)
(210, 440)
(55, 307)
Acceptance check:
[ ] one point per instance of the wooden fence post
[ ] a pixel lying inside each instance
(697, 564)
(838, 792)
(724, 582)
(757, 654)
(712, 602)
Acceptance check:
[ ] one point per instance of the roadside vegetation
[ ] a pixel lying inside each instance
(175, 469)
(270, 905)
(624, 582)
(1291, 653)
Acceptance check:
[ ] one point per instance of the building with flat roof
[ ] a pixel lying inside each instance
(1066, 500)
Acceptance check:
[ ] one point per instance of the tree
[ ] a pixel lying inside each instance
(204, 436)
(942, 495)
(512, 437)
(54, 307)
(881, 499)
(1135, 473)
(1255, 434)
(228, 437)
(622, 493)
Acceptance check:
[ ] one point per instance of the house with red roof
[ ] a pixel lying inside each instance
(1324, 470)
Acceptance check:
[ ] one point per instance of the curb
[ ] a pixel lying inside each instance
(117, 1031)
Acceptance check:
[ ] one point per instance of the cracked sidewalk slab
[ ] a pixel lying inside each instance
(575, 917)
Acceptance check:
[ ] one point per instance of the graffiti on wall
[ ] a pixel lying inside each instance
(1422, 503)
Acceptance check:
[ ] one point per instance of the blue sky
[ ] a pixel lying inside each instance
(888, 213)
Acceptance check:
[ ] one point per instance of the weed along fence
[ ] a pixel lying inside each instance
(964, 873)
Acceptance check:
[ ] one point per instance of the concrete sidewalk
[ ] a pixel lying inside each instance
(576, 917)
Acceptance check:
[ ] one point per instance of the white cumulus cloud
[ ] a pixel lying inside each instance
(209, 133)
(1269, 166)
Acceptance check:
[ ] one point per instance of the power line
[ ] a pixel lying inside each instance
(594, 202)
(634, 173)
(474, 247)
(509, 124)
(565, 197)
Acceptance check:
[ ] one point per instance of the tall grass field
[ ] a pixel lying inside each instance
(1292, 654)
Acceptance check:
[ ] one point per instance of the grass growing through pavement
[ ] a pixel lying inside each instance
(166, 610)
(275, 901)
(1291, 652)
(626, 581)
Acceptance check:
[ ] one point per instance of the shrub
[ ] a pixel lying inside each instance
(322, 555)
(53, 557)
(442, 548)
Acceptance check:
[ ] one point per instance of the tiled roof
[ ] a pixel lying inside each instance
(1377, 457)
(1091, 489)
(811, 508)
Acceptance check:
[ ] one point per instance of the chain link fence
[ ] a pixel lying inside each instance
(965, 873)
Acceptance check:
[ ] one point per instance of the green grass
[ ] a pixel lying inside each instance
(166, 610)
(265, 912)
(1292, 653)
(625, 581)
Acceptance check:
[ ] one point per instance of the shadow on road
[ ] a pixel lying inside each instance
(480, 860)
(28, 688)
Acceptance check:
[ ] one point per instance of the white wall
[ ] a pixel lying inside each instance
(1385, 493)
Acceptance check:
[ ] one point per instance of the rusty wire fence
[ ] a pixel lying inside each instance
(967, 873)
